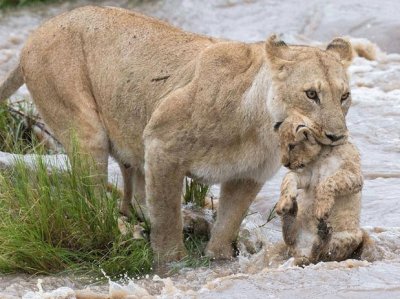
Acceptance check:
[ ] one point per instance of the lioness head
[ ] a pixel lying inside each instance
(298, 146)
(312, 82)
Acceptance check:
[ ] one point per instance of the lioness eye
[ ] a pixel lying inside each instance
(312, 95)
(291, 146)
(345, 96)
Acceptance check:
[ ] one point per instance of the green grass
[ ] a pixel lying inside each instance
(271, 215)
(54, 221)
(195, 193)
(195, 258)
(9, 3)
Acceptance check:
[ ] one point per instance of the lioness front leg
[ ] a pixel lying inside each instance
(236, 197)
(163, 194)
(342, 183)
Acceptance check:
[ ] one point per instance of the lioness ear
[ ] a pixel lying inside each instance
(274, 47)
(343, 49)
(275, 50)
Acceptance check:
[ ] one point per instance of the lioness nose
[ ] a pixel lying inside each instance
(334, 137)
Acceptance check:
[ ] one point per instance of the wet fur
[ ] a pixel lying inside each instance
(322, 198)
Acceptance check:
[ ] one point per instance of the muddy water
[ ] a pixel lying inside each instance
(374, 121)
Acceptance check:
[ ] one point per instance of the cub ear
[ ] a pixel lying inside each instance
(304, 133)
(343, 49)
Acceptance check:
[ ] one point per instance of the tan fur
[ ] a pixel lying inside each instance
(167, 103)
(320, 196)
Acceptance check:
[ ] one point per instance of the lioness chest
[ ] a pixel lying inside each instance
(248, 161)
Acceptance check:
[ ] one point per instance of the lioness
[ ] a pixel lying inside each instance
(320, 199)
(166, 103)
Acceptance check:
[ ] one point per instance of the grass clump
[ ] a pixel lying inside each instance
(8, 3)
(52, 221)
(195, 193)
(195, 246)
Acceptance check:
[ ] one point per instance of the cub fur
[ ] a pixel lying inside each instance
(320, 199)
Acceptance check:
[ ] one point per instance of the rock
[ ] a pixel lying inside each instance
(197, 221)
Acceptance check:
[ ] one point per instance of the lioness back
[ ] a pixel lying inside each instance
(126, 61)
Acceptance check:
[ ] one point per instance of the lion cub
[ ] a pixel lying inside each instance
(320, 198)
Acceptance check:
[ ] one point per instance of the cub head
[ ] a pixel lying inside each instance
(298, 145)
(313, 83)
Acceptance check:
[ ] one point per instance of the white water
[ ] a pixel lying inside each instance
(374, 121)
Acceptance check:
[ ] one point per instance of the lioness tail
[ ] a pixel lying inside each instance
(11, 83)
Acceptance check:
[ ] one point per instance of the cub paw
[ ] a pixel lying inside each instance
(321, 213)
(220, 251)
(302, 261)
(287, 205)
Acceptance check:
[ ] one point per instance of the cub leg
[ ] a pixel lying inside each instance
(343, 245)
(320, 245)
(163, 194)
(289, 189)
(342, 183)
(288, 194)
(290, 226)
(236, 197)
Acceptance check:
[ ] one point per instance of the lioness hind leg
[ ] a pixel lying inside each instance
(61, 91)
(125, 205)
(139, 194)
(87, 151)
(84, 140)
(134, 192)
(236, 197)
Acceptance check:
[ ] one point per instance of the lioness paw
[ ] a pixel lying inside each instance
(219, 251)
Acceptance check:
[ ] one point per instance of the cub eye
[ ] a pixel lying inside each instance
(291, 146)
(312, 95)
(345, 97)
